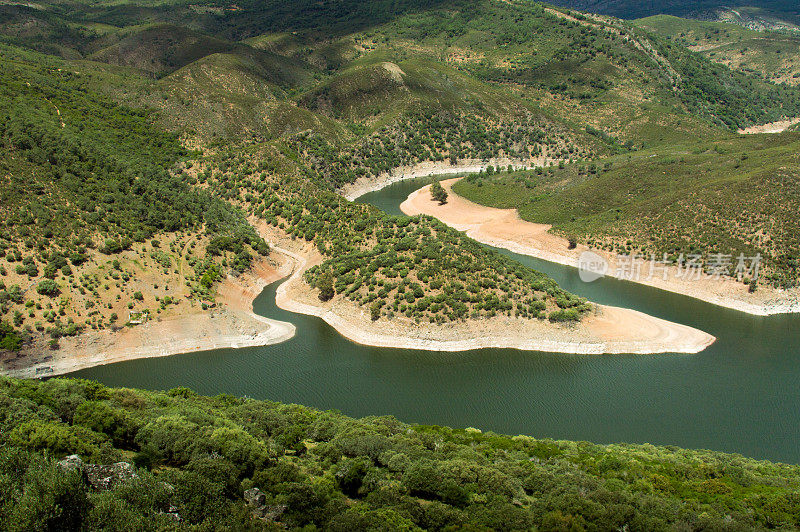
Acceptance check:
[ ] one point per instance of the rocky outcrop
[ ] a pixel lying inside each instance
(100, 477)
(257, 501)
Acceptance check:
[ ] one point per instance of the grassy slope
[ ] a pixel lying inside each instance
(326, 470)
(589, 70)
(584, 70)
(741, 193)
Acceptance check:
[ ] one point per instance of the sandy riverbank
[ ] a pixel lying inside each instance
(772, 127)
(364, 185)
(505, 229)
(608, 330)
(232, 325)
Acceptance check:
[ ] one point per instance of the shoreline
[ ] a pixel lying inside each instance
(610, 330)
(364, 185)
(234, 326)
(771, 127)
(504, 228)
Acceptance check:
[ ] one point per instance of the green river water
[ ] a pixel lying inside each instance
(741, 395)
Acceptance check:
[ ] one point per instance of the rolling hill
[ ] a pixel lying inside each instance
(744, 11)
(734, 196)
(280, 106)
(150, 147)
(773, 55)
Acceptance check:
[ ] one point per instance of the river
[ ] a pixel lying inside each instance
(741, 395)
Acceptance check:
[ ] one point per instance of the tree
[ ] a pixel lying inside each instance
(111, 246)
(325, 285)
(375, 310)
(438, 193)
(9, 339)
(48, 287)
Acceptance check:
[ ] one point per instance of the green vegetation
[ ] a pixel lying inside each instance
(593, 63)
(199, 459)
(429, 136)
(84, 181)
(438, 193)
(395, 265)
(140, 139)
(735, 196)
(777, 10)
(134, 150)
(771, 54)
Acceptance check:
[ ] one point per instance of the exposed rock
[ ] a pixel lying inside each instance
(256, 499)
(100, 477)
(106, 477)
(72, 462)
(274, 513)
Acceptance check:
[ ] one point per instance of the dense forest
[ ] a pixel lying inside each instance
(177, 460)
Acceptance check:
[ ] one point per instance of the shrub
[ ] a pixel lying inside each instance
(48, 287)
(438, 193)
(111, 246)
(564, 315)
(325, 286)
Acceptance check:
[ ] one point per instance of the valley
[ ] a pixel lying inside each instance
(377, 208)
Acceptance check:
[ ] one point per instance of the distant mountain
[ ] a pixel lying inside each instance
(786, 10)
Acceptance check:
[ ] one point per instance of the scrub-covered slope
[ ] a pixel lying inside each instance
(257, 465)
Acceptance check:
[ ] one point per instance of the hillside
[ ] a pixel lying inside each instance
(580, 69)
(177, 138)
(110, 222)
(97, 214)
(735, 196)
(773, 55)
(782, 11)
(184, 460)
(164, 161)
